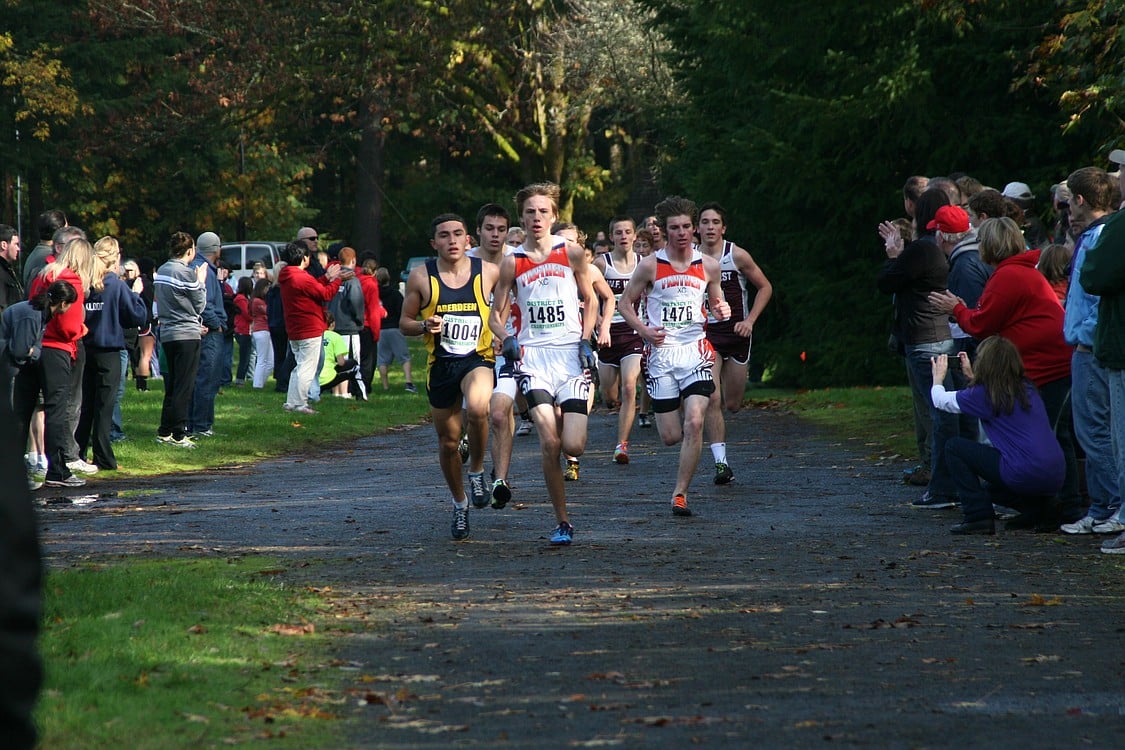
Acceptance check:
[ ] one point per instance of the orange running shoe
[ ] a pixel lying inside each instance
(679, 506)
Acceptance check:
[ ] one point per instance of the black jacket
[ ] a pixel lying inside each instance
(11, 288)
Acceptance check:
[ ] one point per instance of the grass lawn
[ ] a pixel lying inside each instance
(187, 653)
(152, 654)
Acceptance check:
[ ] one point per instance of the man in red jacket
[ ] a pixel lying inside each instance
(303, 298)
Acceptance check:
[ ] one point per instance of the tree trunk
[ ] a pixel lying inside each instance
(370, 173)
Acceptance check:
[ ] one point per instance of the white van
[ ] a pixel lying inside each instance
(241, 256)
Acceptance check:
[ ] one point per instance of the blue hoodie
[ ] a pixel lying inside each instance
(214, 316)
(110, 311)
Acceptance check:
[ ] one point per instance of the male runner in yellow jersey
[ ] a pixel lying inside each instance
(450, 293)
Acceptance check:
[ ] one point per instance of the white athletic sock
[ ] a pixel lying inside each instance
(719, 451)
(461, 505)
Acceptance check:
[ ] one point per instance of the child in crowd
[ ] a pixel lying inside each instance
(21, 342)
(260, 332)
(1023, 467)
(1054, 264)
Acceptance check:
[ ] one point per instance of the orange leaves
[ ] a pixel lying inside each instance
(1038, 600)
(306, 628)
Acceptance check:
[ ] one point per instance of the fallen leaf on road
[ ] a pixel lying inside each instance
(1038, 601)
(282, 629)
(1041, 659)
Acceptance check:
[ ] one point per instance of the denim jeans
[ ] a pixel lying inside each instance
(1056, 396)
(945, 424)
(1116, 380)
(976, 469)
(1089, 389)
(967, 427)
(202, 416)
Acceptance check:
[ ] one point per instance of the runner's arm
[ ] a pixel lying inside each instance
(502, 298)
(716, 301)
(635, 290)
(607, 307)
(412, 303)
(752, 273)
(577, 257)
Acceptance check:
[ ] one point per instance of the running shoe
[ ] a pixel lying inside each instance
(934, 501)
(1084, 525)
(410, 388)
(679, 506)
(184, 442)
(72, 481)
(501, 494)
(305, 410)
(477, 494)
(33, 482)
(643, 420)
(81, 467)
(460, 527)
(1109, 526)
(723, 474)
(563, 535)
(203, 433)
(463, 449)
(621, 453)
(1115, 546)
(570, 474)
(524, 428)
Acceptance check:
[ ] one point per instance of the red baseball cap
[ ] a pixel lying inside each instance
(950, 219)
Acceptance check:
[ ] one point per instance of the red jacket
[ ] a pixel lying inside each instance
(303, 298)
(373, 308)
(1019, 304)
(242, 318)
(259, 315)
(63, 331)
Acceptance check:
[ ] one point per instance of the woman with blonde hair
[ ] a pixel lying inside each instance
(111, 307)
(57, 373)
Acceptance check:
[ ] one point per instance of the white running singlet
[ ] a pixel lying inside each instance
(546, 310)
(677, 300)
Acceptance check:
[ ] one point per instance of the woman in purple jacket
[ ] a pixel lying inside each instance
(1024, 466)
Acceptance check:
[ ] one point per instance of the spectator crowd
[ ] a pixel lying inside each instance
(1013, 336)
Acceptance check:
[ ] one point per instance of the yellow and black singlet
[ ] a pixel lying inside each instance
(464, 312)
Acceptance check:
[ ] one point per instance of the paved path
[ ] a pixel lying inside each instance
(805, 603)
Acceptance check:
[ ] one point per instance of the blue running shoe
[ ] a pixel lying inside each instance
(460, 527)
(477, 493)
(563, 535)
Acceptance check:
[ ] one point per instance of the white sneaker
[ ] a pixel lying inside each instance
(1084, 525)
(524, 428)
(1109, 526)
(79, 466)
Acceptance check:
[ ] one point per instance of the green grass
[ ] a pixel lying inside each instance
(251, 425)
(181, 654)
(878, 420)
